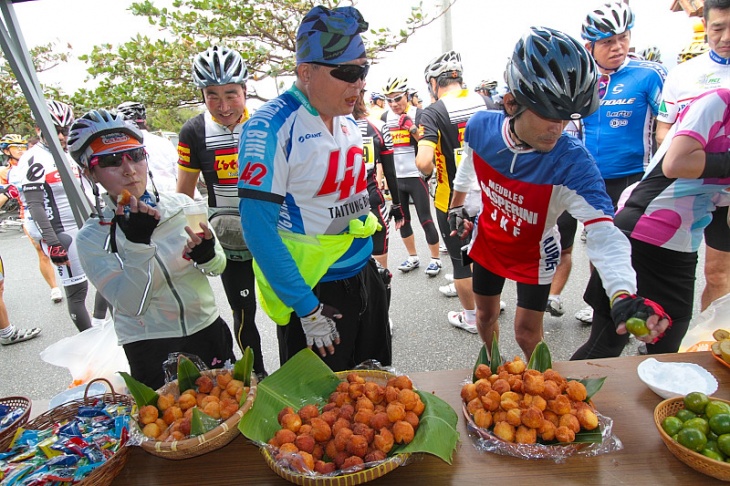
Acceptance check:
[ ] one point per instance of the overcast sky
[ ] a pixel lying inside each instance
(483, 31)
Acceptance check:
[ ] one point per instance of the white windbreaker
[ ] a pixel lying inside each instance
(154, 291)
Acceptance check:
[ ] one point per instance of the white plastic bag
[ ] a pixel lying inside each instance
(93, 353)
(716, 316)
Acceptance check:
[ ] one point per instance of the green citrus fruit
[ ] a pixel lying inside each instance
(711, 435)
(693, 439)
(723, 443)
(685, 415)
(697, 423)
(712, 454)
(720, 423)
(671, 425)
(637, 326)
(696, 402)
(715, 407)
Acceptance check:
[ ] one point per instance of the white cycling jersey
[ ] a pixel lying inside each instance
(688, 80)
(404, 145)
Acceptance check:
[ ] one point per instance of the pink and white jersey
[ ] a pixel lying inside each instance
(672, 213)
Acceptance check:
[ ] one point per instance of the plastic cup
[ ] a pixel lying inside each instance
(196, 212)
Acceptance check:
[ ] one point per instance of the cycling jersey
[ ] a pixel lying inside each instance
(404, 145)
(36, 171)
(442, 127)
(523, 193)
(619, 134)
(687, 80)
(206, 145)
(282, 147)
(672, 213)
(161, 161)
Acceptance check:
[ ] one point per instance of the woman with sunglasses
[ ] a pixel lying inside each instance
(143, 257)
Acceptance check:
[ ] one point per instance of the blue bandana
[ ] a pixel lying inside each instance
(331, 36)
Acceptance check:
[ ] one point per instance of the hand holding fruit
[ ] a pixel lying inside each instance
(642, 317)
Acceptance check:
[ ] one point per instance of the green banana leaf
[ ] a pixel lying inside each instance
(483, 358)
(540, 359)
(496, 357)
(187, 373)
(142, 394)
(243, 367)
(306, 379)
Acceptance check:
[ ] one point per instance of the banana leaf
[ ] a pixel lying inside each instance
(187, 373)
(243, 367)
(540, 359)
(142, 394)
(483, 358)
(496, 357)
(306, 379)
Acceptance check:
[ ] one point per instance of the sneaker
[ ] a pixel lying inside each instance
(20, 335)
(502, 306)
(260, 376)
(457, 319)
(642, 349)
(555, 307)
(442, 248)
(585, 315)
(449, 277)
(408, 265)
(583, 239)
(433, 268)
(56, 295)
(448, 290)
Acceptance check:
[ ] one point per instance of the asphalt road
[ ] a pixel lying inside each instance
(423, 339)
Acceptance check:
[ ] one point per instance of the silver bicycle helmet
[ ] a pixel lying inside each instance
(612, 18)
(375, 96)
(553, 75)
(218, 66)
(396, 85)
(61, 113)
(447, 64)
(651, 53)
(133, 110)
(93, 125)
(486, 86)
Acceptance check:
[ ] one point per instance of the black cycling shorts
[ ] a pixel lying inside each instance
(567, 227)
(529, 296)
(717, 233)
(453, 246)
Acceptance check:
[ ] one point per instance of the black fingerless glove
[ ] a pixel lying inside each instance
(204, 252)
(137, 227)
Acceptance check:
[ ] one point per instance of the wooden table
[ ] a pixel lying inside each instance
(643, 460)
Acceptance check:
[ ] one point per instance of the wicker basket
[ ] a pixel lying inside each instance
(350, 479)
(104, 474)
(695, 460)
(6, 436)
(211, 440)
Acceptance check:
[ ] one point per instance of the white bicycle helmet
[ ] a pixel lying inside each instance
(218, 66)
(447, 64)
(133, 110)
(553, 75)
(91, 126)
(61, 113)
(395, 85)
(486, 86)
(651, 53)
(611, 18)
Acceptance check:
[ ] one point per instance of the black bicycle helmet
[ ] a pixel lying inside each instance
(553, 75)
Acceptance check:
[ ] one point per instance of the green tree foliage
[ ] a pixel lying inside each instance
(14, 109)
(157, 71)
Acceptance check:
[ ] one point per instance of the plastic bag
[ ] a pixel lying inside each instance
(93, 353)
(716, 316)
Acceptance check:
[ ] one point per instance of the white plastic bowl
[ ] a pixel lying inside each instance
(669, 380)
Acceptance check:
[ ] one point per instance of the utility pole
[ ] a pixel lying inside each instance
(447, 43)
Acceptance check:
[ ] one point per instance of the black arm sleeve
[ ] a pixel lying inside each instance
(387, 161)
(717, 166)
(37, 209)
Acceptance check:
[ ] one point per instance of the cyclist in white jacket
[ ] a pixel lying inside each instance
(144, 258)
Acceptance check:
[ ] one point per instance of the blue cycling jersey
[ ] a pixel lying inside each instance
(619, 134)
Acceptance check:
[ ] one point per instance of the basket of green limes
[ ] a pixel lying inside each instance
(696, 429)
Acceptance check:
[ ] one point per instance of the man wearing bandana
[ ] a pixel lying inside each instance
(304, 203)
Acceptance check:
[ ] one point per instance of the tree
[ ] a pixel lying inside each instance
(14, 109)
(157, 71)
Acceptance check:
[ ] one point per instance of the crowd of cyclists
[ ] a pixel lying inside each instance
(590, 131)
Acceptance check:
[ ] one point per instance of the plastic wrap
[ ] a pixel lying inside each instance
(485, 441)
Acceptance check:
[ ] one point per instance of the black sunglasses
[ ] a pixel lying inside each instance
(394, 100)
(348, 73)
(115, 160)
(63, 131)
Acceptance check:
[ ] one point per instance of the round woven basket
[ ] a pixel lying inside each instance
(349, 479)
(6, 436)
(211, 440)
(104, 474)
(695, 460)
